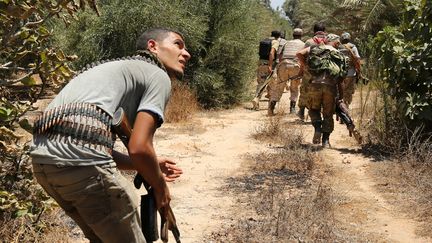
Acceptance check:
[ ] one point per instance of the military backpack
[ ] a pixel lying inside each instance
(322, 59)
(265, 48)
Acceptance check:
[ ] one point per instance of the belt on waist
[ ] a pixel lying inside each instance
(83, 122)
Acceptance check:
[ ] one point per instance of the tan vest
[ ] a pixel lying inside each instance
(291, 48)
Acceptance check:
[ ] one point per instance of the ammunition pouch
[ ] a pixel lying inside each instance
(83, 122)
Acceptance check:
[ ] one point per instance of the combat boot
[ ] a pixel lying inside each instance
(255, 104)
(292, 107)
(271, 107)
(326, 140)
(301, 113)
(317, 133)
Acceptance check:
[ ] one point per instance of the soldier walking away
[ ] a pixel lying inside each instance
(72, 151)
(288, 68)
(328, 68)
(317, 39)
(282, 42)
(353, 60)
(267, 55)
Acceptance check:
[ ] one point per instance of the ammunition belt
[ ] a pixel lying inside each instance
(83, 122)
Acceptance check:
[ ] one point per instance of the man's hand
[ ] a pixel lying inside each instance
(162, 195)
(270, 69)
(169, 169)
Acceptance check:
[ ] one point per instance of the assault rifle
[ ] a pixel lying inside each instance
(343, 114)
(266, 82)
(122, 128)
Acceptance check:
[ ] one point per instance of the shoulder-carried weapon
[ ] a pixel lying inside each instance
(343, 114)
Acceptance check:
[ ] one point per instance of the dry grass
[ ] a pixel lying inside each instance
(183, 103)
(272, 129)
(287, 200)
(53, 226)
(405, 172)
(407, 181)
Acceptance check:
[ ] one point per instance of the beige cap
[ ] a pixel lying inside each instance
(297, 31)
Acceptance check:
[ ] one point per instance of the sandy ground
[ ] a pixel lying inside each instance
(211, 149)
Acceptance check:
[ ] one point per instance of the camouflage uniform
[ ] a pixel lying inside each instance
(304, 88)
(276, 86)
(322, 94)
(328, 68)
(349, 83)
(262, 75)
(289, 67)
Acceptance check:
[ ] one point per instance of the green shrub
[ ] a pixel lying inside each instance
(404, 54)
(222, 37)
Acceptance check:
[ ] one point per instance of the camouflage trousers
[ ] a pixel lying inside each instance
(304, 95)
(349, 85)
(294, 89)
(262, 74)
(322, 100)
(275, 88)
(285, 70)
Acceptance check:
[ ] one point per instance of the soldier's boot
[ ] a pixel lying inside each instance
(271, 107)
(326, 140)
(255, 104)
(317, 133)
(301, 113)
(292, 107)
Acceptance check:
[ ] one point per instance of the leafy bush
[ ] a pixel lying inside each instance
(404, 54)
(222, 37)
(29, 65)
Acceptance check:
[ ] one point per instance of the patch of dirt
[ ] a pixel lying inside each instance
(213, 149)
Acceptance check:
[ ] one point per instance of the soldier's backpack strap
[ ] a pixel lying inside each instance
(354, 58)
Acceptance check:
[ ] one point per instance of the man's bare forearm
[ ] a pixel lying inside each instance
(147, 165)
(123, 161)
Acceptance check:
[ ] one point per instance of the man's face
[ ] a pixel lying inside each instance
(171, 51)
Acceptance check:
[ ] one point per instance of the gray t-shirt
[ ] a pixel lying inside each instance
(134, 85)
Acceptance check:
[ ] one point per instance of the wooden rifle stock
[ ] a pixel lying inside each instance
(343, 114)
(122, 128)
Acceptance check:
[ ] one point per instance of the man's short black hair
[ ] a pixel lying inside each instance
(156, 34)
(319, 27)
(276, 34)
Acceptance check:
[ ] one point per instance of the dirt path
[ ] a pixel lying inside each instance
(211, 148)
(364, 208)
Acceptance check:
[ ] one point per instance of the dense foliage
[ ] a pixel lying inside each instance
(404, 54)
(28, 65)
(222, 37)
(359, 17)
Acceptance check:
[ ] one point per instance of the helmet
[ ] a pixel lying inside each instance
(297, 31)
(345, 36)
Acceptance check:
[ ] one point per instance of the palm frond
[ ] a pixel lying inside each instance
(373, 14)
